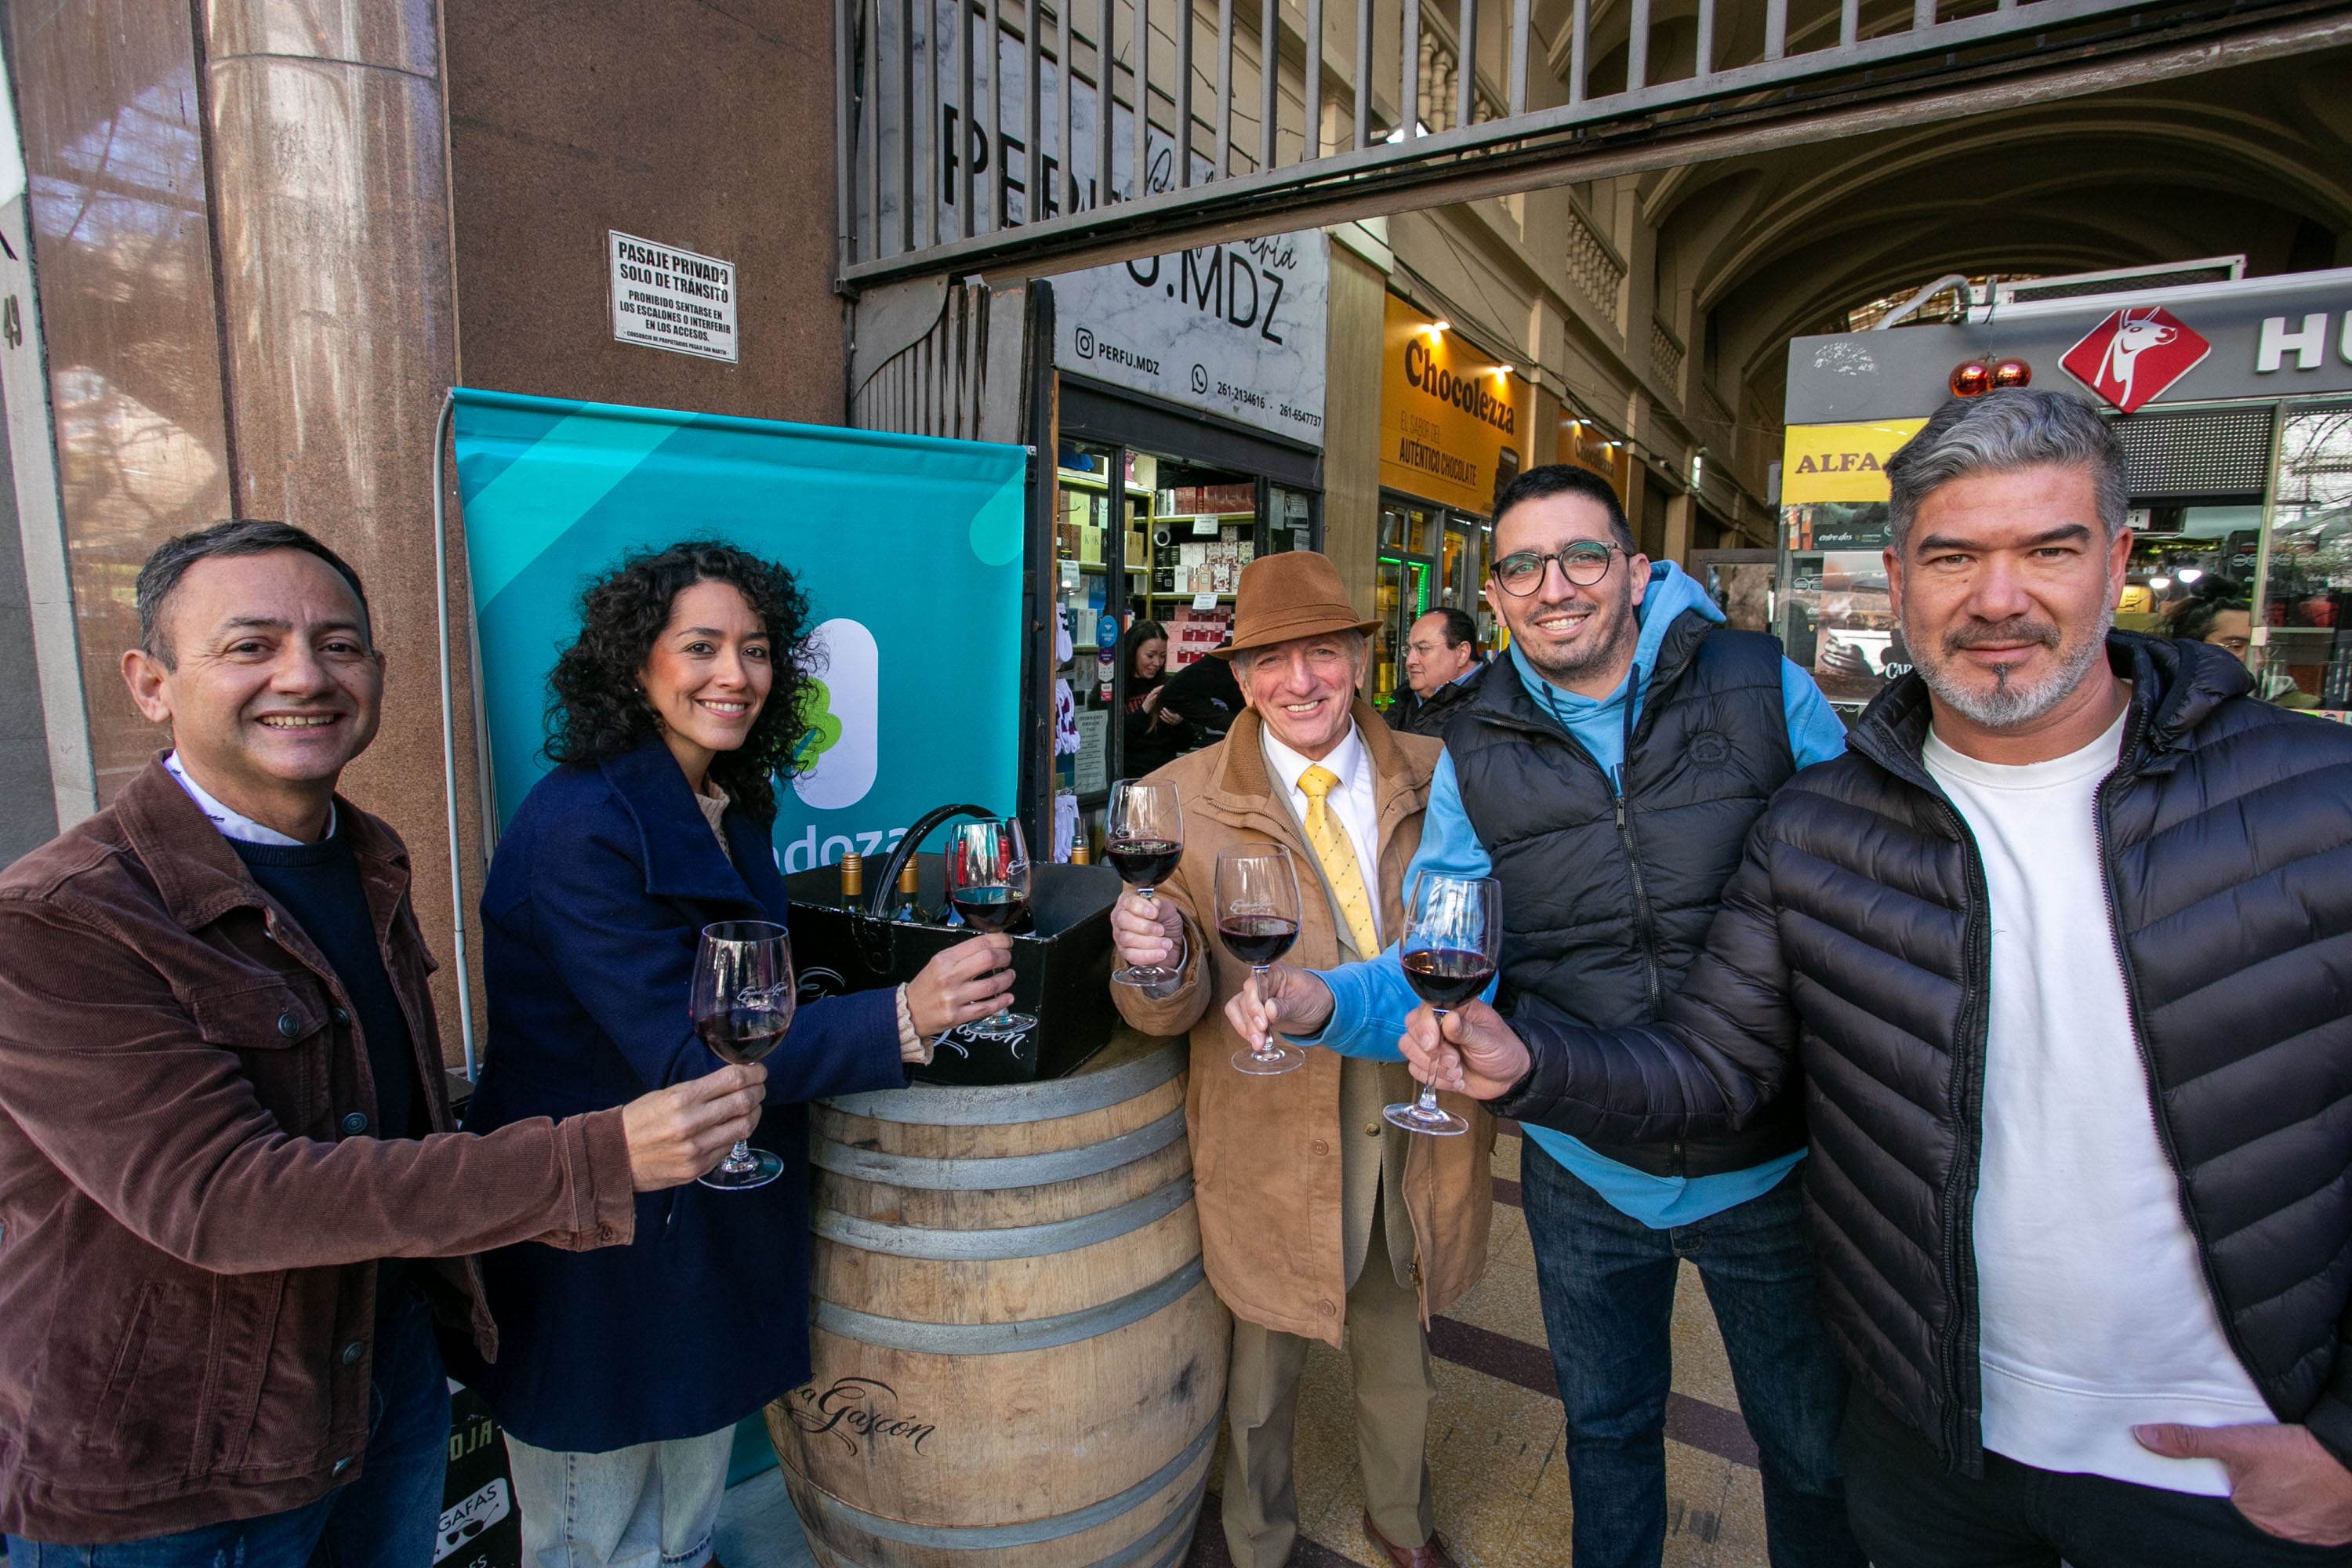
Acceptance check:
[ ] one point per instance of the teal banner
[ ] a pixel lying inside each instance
(909, 549)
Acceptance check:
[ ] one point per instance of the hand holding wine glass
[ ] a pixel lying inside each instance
(1143, 837)
(988, 884)
(1257, 920)
(1453, 941)
(742, 1004)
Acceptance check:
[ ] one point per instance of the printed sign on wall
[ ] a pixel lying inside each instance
(665, 297)
(557, 492)
(1841, 462)
(1235, 329)
(1447, 413)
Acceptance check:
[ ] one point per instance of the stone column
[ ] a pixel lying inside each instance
(330, 203)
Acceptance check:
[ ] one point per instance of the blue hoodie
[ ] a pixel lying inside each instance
(1369, 1000)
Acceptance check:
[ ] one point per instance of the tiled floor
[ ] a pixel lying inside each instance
(1502, 1490)
(1495, 1444)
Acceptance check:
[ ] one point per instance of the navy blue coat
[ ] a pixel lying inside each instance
(596, 896)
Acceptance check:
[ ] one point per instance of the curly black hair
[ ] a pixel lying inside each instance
(595, 710)
(2193, 617)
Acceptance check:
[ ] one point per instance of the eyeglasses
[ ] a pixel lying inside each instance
(1583, 564)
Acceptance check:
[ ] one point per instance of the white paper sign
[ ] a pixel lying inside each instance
(665, 297)
(1204, 601)
(1232, 329)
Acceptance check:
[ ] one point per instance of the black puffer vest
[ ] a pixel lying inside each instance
(1607, 896)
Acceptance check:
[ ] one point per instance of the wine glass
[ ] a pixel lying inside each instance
(1143, 836)
(1257, 920)
(742, 1004)
(1452, 940)
(988, 885)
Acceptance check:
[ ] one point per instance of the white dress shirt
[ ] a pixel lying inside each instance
(234, 824)
(1351, 800)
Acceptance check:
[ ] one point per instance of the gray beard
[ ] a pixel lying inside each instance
(2008, 705)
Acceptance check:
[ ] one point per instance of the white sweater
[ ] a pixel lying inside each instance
(2094, 1311)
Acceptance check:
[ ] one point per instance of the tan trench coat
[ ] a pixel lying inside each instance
(1266, 1150)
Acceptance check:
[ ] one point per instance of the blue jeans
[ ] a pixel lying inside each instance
(1608, 1287)
(385, 1519)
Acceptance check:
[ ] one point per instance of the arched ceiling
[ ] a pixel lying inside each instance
(2255, 160)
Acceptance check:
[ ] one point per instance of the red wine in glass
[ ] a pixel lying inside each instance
(743, 1035)
(988, 888)
(1143, 862)
(1257, 919)
(1256, 940)
(1143, 838)
(989, 909)
(1447, 977)
(1452, 946)
(741, 1005)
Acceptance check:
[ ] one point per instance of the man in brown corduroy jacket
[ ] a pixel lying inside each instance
(207, 1344)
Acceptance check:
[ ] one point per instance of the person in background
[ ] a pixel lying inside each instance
(1606, 772)
(1441, 665)
(232, 1199)
(1155, 736)
(1319, 1221)
(2056, 951)
(1204, 694)
(2214, 614)
(674, 713)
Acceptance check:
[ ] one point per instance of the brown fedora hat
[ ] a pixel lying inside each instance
(1294, 595)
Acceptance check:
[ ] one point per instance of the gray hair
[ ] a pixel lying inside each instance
(237, 536)
(2000, 433)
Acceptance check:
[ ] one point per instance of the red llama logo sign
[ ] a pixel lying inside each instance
(2134, 354)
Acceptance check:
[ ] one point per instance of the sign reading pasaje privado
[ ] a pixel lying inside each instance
(1447, 412)
(1234, 330)
(665, 297)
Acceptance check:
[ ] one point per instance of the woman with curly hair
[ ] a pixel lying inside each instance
(621, 1372)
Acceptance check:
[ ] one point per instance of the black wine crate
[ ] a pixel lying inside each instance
(1062, 961)
(481, 1526)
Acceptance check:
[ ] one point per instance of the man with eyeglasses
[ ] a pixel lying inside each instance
(1606, 770)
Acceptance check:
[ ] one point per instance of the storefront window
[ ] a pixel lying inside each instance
(2307, 657)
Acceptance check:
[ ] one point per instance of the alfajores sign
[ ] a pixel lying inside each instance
(1232, 329)
(2286, 336)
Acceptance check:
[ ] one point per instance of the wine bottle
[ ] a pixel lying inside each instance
(907, 906)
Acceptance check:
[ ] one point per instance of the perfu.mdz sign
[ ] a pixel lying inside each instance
(665, 297)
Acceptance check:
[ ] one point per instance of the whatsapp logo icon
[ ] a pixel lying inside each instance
(834, 758)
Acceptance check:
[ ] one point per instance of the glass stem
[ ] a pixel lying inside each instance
(739, 1158)
(1266, 1041)
(1428, 1100)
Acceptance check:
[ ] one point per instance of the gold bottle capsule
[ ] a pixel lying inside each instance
(853, 875)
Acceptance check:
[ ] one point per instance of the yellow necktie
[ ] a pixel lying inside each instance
(1328, 836)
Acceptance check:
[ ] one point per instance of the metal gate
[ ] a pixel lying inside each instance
(1093, 129)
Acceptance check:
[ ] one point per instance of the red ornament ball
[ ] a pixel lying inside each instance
(2012, 373)
(1973, 379)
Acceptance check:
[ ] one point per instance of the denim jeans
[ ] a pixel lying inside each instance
(1916, 1514)
(651, 1505)
(385, 1519)
(1608, 1287)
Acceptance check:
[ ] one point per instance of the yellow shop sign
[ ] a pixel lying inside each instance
(1447, 413)
(1841, 462)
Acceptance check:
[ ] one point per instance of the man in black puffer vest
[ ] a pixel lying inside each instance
(1605, 771)
(2063, 951)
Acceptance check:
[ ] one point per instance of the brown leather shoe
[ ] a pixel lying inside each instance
(1433, 1556)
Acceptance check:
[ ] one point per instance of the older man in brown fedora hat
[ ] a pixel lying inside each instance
(1316, 1215)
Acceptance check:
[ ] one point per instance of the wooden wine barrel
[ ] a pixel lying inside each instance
(1017, 1360)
